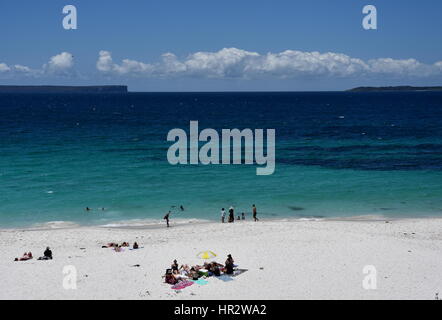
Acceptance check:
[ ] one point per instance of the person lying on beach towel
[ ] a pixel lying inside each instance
(115, 245)
(118, 248)
(172, 278)
(110, 245)
(26, 256)
(47, 255)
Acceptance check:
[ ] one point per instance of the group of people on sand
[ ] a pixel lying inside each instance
(231, 217)
(119, 247)
(176, 274)
(47, 255)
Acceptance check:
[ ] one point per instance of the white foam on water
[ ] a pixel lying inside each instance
(139, 223)
(54, 225)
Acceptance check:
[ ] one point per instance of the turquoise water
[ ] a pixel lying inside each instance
(338, 155)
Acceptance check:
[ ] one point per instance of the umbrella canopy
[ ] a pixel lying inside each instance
(206, 254)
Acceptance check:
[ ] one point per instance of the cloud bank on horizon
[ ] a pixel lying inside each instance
(233, 63)
(59, 64)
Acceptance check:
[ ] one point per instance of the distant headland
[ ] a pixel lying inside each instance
(397, 88)
(63, 89)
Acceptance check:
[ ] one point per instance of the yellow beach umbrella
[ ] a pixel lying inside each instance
(206, 254)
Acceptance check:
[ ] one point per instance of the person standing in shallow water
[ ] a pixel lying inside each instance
(254, 213)
(166, 217)
(223, 215)
(231, 215)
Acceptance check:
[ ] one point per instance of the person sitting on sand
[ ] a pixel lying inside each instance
(135, 246)
(184, 270)
(118, 248)
(26, 256)
(47, 255)
(230, 259)
(175, 267)
(208, 267)
(194, 274)
(228, 269)
(169, 277)
(216, 270)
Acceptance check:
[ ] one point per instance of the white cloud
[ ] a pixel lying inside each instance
(17, 69)
(237, 63)
(60, 63)
(105, 64)
(4, 67)
(295, 63)
(233, 63)
(408, 67)
(23, 69)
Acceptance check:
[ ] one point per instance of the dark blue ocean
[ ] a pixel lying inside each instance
(338, 154)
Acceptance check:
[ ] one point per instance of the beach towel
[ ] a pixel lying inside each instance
(225, 278)
(201, 282)
(237, 272)
(182, 285)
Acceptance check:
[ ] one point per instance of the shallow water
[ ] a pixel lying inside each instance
(337, 155)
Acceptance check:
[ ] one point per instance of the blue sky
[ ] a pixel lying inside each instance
(143, 31)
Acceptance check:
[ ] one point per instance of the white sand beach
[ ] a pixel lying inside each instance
(286, 259)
